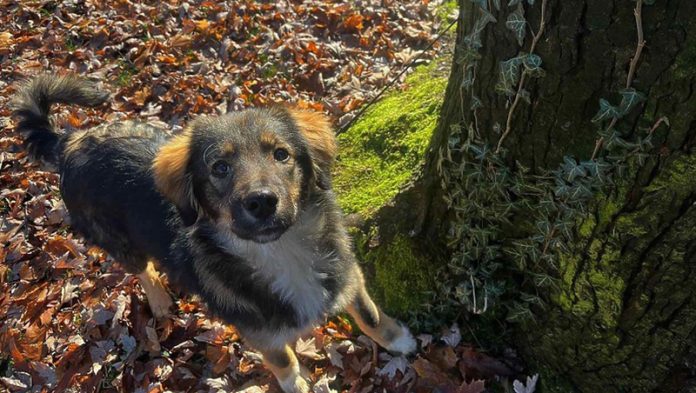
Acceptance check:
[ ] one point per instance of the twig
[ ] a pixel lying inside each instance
(520, 86)
(657, 124)
(652, 130)
(637, 12)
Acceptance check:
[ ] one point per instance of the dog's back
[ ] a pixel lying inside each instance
(110, 195)
(105, 180)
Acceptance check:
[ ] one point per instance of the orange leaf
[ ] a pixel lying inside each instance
(180, 40)
(187, 307)
(5, 40)
(202, 25)
(312, 47)
(354, 22)
(167, 59)
(74, 120)
(219, 356)
(15, 352)
(142, 95)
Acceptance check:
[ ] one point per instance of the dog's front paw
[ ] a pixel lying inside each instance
(403, 343)
(294, 384)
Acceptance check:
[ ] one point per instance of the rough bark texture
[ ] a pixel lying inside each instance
(624, 318)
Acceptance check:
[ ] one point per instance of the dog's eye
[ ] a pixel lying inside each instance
(220, 168)
(281, 155)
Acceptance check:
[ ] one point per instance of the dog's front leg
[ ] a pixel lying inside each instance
(284, 365)
(386, 331)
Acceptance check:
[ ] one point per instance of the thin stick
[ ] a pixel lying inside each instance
(520, 86)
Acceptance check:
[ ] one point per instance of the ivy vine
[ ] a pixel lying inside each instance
(485, 192)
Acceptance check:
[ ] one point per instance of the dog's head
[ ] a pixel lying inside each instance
(249, 171)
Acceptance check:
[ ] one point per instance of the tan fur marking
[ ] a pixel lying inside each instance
(156, 293)
(169, 168)
(316, 129)
(268, 139)
(227, 148)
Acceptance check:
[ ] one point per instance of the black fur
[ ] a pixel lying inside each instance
(32, 105)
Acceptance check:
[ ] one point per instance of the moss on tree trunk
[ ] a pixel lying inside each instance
(379, 157)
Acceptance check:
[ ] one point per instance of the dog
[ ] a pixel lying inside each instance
(237, 209)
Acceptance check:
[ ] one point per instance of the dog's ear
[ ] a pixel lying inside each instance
(171, 178)
(316, 130)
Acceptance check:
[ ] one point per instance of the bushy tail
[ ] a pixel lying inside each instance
(32, 106)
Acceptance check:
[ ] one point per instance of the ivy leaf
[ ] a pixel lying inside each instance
(572, 169)
(481, 3)
(509, 73)
(485, 19)
(606, 111)
(517, 24)
(473, 40)
(519, 313)
(496, 4)
(468, 79)
(629, 99)
(467, 55)
(475, 103)
(532, 62)
(580, 193)
(513, 2)
(596, 169)
(641, 157)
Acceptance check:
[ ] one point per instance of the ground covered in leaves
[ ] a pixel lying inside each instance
(70, 318)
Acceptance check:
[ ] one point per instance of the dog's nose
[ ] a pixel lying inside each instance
(261, 204)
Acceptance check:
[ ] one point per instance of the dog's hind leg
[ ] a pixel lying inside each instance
(156, 293)
(284, 365)
(385, 330)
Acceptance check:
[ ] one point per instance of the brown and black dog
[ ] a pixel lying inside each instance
(237, 208)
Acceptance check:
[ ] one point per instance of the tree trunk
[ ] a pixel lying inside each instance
(621, 312)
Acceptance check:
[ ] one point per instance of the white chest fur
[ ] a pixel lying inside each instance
(288, 265)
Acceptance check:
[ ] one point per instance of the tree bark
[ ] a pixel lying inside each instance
(623, 316)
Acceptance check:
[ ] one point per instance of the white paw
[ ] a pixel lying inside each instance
(404, 344)
(294, 384)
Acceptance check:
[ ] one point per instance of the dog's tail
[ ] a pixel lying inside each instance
(32, 105)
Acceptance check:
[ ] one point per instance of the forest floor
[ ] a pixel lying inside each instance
(70, 318)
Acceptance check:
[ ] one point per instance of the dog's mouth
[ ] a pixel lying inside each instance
(268, 234)
(265, 234)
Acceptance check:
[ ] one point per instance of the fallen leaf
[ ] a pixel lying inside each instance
(308, 349)
(453, 336)
(529, 387)
(394, 365)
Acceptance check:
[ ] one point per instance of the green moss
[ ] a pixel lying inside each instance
(447, 11)
(401, 276)
(615, 301)
(383, 149)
